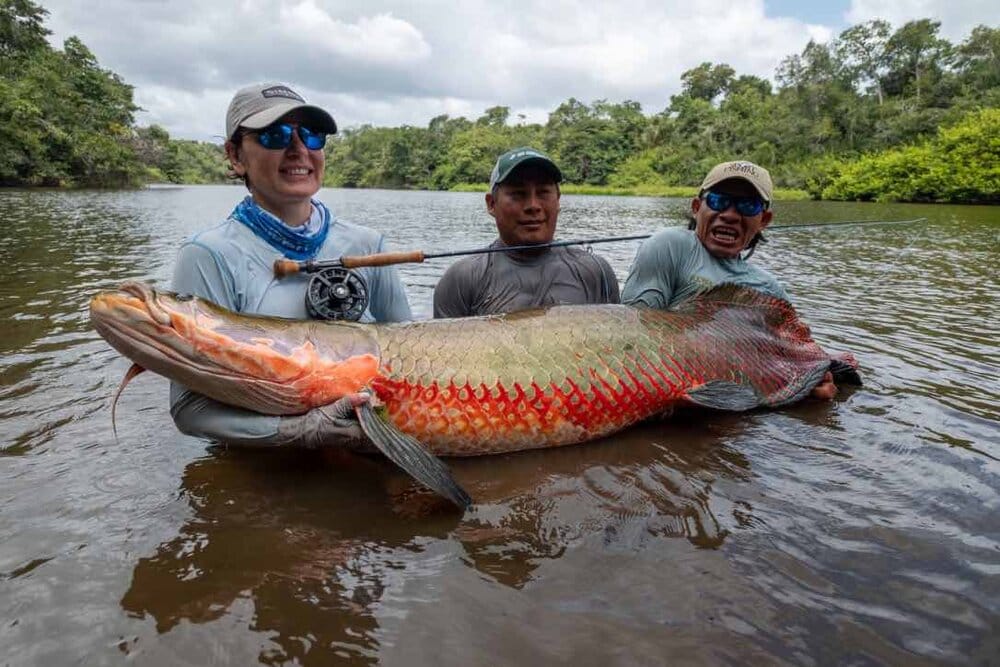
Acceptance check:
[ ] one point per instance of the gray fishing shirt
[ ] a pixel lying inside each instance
(504, 282)
(672, 266)
(233, 267)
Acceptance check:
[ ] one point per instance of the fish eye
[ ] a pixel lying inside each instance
(184, 297)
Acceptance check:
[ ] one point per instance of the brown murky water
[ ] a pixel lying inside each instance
(863, 531)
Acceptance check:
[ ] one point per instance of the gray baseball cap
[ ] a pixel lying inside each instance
(261, 104)
(516, 157)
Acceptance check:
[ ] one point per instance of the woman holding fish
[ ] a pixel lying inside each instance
(274, 143)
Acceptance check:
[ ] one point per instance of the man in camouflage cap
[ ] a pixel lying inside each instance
(731, 210)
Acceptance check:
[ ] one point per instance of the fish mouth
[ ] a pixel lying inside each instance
(133, 320)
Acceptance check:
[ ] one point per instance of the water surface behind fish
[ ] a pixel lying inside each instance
(862, 531)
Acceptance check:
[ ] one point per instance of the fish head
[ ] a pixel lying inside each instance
(266, 364)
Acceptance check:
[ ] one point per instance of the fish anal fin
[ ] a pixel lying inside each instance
(735, 397)
(724, 395)
(411, 456)
(133, 370)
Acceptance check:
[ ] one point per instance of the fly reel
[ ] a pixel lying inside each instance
(336, 293)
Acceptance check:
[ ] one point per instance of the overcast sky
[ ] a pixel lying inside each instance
(391, 63)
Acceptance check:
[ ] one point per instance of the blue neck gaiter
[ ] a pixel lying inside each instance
(293, 244)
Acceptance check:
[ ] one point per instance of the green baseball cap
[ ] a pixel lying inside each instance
(517, 157)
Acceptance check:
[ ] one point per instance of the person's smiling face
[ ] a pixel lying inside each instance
(282, 181)
(725, 234)
(526, 206)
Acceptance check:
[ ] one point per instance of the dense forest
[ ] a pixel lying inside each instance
(877, 113)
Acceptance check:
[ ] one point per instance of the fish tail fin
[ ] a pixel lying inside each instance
(845, 370)
(411, 456)
(800, 387)
(133, 370)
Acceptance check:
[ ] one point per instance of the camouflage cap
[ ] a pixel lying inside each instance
(753, 174)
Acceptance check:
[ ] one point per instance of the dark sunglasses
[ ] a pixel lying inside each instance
(748, 206)
(279, 136)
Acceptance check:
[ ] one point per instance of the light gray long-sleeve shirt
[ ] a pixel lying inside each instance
(233, 267)
(672, 266)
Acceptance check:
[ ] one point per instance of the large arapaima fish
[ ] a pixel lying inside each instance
(481, 385)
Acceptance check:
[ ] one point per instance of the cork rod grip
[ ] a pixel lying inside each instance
(383, 259)
(286, 267)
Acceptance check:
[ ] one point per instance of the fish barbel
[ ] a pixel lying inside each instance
(483, 385)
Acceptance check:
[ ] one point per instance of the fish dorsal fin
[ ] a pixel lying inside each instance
(731, 294)
(779, 314)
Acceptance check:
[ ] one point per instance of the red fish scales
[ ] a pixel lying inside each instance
(574, 373)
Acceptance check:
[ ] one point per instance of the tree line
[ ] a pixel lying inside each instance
(876, 113)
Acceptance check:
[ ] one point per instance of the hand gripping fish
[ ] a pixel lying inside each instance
(480, 385)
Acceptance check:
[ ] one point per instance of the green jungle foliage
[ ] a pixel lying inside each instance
(960, 164)
(867, 97)
(877, 113)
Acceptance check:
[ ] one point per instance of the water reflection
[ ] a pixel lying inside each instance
(285, 532)
(652, 482)
(55, 250)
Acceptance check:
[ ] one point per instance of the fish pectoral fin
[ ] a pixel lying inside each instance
(724, 395)
(844, 373)
(411, 456)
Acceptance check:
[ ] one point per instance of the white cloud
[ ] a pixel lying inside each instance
(957, 17)
(390, 62)
(381, 39)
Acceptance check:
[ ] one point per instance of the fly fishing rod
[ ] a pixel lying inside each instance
(336, 292)
(287, 267)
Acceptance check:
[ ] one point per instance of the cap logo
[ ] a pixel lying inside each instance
(282, 91)
(520, 154)
(742, 168)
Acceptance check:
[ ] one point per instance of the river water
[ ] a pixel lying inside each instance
(861, 531)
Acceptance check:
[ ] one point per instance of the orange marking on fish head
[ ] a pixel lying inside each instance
(329, 380)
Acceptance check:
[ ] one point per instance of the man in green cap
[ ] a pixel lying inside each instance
(524, 201)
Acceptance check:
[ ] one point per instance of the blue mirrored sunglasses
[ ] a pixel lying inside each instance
(748, 206)
(279, 136)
